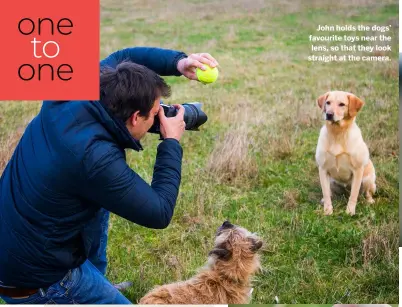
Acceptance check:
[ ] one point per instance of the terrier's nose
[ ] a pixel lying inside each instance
(227, 224)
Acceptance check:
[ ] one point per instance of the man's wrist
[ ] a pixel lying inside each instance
(172, 146)
(179, 57)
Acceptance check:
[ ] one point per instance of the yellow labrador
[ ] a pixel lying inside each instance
(342, 155)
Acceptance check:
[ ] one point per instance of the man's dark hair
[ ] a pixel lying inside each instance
(129, 88)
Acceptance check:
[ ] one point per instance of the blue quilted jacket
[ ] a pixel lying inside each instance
(70, 163)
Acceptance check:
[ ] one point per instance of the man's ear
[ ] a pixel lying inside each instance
(133, 119)
(321, 100)
(355, 104)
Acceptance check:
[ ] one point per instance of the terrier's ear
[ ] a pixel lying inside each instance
(221, 253)
(256, 244)
(321, 100)
(355, 104)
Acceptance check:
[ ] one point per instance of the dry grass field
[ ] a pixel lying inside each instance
(253, 161)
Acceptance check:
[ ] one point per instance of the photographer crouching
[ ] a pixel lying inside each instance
(69, 171)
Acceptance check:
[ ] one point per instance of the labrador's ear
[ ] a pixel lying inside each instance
(355, 104)
(221, 253)
(321, 100)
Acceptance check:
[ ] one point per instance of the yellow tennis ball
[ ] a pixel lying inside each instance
(207, 76)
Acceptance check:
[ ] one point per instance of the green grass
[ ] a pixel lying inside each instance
(266, 91)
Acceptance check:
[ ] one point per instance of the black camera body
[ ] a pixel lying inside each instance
(194, 117)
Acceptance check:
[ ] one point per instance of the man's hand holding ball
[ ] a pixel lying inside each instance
(200, 67)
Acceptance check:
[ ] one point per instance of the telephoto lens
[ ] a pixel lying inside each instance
(194, 117)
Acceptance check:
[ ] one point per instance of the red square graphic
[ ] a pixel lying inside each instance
(49, 50)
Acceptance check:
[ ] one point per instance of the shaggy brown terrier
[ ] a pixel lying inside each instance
(226, 278)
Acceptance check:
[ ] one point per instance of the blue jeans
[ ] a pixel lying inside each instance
(86, 284)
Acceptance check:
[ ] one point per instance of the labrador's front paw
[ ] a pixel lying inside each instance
(351, 209)
(370, 200)
(328, 209)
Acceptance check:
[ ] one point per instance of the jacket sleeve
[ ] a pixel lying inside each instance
(113, 185)
(162, 61)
